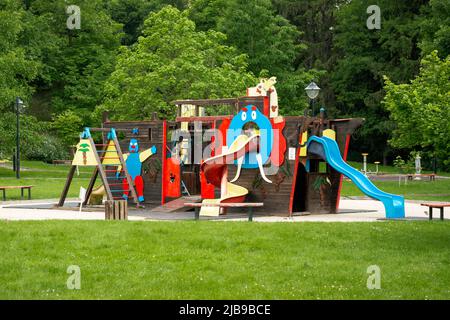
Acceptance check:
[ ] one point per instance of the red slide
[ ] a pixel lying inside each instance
(215, 171)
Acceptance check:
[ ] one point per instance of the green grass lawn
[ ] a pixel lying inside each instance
(48, 180)
(371, 167)
(224, 260)
(415, 190)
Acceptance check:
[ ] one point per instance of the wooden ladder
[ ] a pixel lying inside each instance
(106, 174)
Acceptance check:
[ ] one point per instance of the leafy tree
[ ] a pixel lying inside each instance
(365, 56)
(421, 109)
(77, 62)
(172, 61)
(132, 13)
(316, 19)
(270, 41)
(68, 126)
(18, 68)
(436, 29)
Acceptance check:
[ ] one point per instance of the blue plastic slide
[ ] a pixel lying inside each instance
(328, 150)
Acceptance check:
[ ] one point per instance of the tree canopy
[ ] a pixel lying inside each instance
(421, 109)
(172, 60)
(18, 66)
(134, 57)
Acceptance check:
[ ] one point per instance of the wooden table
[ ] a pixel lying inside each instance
(441, 206)
(56, 162)
(4, 188)
(248, 205)
(431, 176)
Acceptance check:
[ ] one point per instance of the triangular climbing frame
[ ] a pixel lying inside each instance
(109, 156)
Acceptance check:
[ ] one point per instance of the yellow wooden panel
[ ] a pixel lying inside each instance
(111, 156)
(85, 154)
(304, 139)
(210, 211)
(329, 134)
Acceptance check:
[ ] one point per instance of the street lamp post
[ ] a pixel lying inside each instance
(365, 163)
(19, 109)
(312, 90)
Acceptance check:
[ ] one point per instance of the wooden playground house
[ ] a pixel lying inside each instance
(282, 165)
(293, 189)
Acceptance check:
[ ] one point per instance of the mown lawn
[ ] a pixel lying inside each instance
(224, 260)
(48, 180)
(438, 190)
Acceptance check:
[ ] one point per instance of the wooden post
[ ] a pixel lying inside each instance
(197, 213)
(91, 186)
(116, 210)
(62, 199)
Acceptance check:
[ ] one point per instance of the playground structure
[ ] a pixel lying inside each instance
(115, 168)
(291, 164)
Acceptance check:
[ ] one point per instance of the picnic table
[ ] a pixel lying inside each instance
(61, 162)
(441, 206)
(4, 188)
(431, 176)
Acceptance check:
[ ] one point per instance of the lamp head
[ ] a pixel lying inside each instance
(312, 90)
(20, 106)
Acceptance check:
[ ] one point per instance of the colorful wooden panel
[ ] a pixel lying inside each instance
(84, 155)
(172, 178)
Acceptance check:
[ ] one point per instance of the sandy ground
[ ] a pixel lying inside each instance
(352, 211)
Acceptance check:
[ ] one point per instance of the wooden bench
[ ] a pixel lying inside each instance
(4, 188)
(62, 162)
(248, 205)
(441, 206)
(431, 176)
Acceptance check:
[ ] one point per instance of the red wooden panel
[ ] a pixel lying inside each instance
(207, 189)
(172, 179)
(277, 155)
(347, 144)
(164, 163)
(267, 106)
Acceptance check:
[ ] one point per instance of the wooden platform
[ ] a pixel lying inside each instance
(176, 205)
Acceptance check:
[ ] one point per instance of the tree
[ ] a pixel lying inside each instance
(18, 68)
(270, 41)
(365, 56)
(68, 126)
(316, 19)
(132, 13)
(75, 62)
(421, 109)
(173, 61)
(436, 29)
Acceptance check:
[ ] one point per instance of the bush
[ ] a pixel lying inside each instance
(46, 149)
(36, 139)
(68, 126)
(404, 167)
